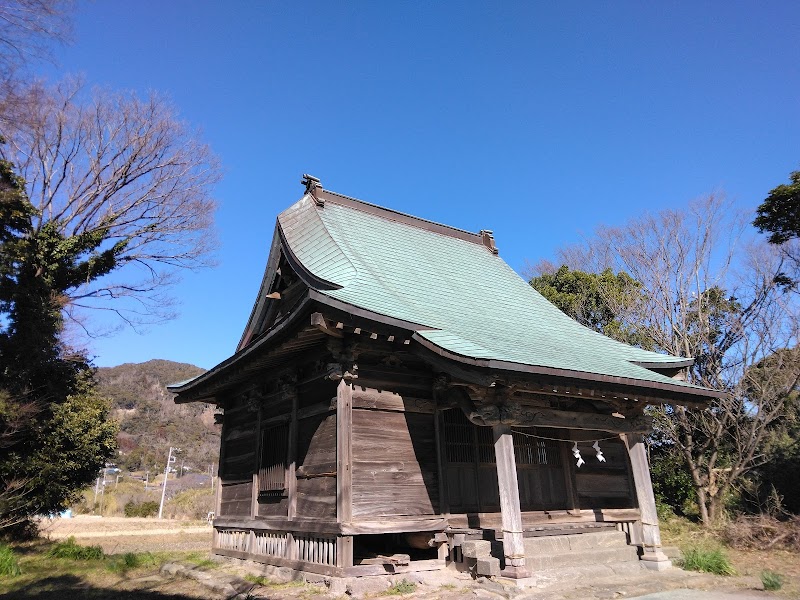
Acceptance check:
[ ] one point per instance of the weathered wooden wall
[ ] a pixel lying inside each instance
(394, 455)
(316, 472)
(604, 484)
(237, 460)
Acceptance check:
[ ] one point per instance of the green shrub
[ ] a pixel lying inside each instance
(401, 587)
(141, 509)
(672, 483)
(69, 549)
(707, 560)
(9, 567)
(772, 581)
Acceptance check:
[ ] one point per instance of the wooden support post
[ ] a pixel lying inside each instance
(344, 551)
(513, 546)
(444, 501)
(291, 460)
(652, 555)
(344, 472)
(570, 482)
(259, 450)
(344, 452)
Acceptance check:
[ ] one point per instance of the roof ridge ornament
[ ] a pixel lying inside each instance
(312, 185)
(487, 237)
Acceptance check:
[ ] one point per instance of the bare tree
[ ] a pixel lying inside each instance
(123, 169)
(28, 28)
(708, 294)
(29, 31)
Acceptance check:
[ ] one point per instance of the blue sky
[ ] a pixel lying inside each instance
(537, 120)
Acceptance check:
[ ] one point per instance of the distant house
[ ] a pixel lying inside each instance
(401, 399)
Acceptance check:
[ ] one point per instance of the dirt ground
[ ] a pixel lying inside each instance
(117, 535)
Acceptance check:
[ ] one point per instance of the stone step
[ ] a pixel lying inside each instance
(558, 553)
(558, 544)
(593, 573)
(579, 558)
(562, 567)
(552, 544)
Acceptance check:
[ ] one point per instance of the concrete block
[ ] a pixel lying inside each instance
(656, 561)
(489, 567)
(476, 549)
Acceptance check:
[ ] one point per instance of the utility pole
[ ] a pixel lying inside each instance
(170, 459)
(96, 489)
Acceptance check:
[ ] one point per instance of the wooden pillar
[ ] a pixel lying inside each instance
(259, 450)
(291, 458)
(651, 536)
(344, 473)
(513, 546)
(569, 475)
(444, 500)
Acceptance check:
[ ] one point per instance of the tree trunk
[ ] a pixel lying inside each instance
(702, 499)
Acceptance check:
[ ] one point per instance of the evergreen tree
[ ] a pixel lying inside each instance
(53, 426)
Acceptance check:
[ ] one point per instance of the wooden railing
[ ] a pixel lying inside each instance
(232, 539)
(315, 549)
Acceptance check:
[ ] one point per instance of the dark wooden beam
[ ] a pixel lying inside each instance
(524, 416)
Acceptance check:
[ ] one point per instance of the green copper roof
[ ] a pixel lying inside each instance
(463, 298)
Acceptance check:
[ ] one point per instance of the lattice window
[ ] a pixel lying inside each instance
(535, 451)
(272, 468)
(469, 443)
(459, 435)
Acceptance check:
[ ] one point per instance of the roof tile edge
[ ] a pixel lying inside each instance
(400, 217)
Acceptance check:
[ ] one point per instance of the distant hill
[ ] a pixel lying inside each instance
(151, 422)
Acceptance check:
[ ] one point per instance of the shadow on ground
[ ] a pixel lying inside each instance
(68, 587)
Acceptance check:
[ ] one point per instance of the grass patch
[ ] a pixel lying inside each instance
(707, 560)
(200, 560)
(9, 566)
(132, 560)
(400, 588)
(71, 550)
(771, 581)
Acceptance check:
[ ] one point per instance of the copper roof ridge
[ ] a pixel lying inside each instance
(400, 217)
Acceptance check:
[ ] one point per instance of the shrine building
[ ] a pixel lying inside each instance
(401, 400)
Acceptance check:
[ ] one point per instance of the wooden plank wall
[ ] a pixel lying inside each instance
(316, 472)
(394, 457)
(238, 462)
(604, 485)
(235, 498)
(239, 439)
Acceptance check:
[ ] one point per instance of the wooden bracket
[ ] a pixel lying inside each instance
(319, 321)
